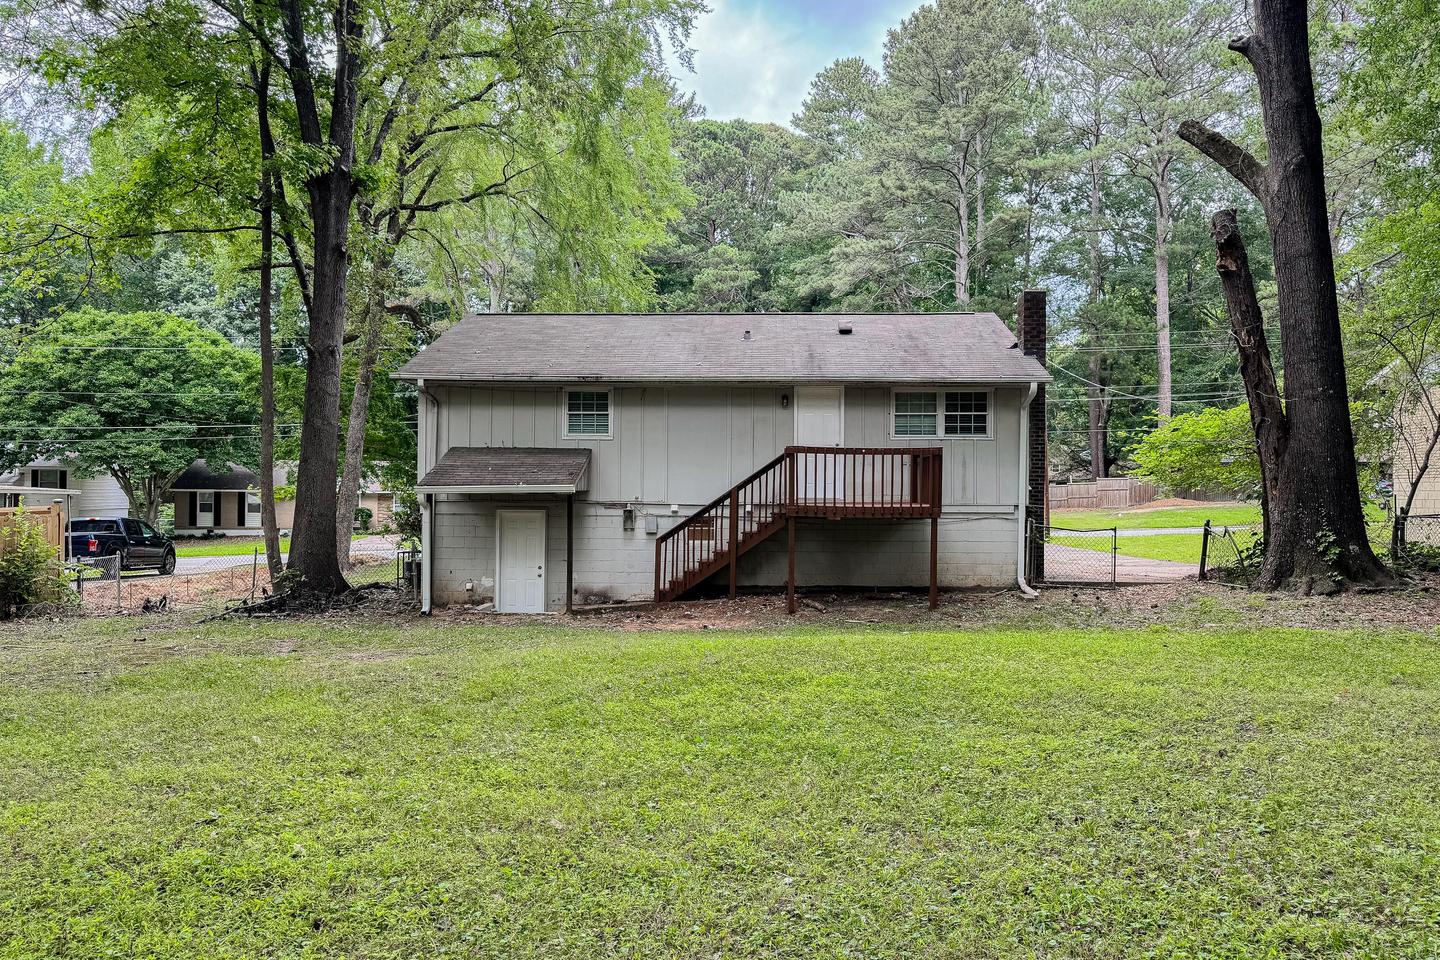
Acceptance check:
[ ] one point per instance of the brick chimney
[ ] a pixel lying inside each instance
(1030, 321)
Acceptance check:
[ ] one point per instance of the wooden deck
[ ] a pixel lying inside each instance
(832, 483)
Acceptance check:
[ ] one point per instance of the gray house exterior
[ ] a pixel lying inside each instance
(555, 451)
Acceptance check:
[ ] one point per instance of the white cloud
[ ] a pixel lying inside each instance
(754, 59)
(749, 64)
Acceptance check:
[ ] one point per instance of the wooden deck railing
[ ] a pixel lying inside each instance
(827, 482)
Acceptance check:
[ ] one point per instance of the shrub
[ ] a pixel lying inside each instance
(363, 517)
(407, 515)
(31, 571)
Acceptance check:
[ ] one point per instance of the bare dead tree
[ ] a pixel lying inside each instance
(1317, 539)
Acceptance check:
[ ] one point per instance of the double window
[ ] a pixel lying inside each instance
(587, 413)
(49, 477)
(941, 413)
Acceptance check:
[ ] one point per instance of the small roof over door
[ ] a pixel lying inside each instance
(509, 470)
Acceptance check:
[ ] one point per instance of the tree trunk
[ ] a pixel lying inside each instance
(1099, 465)
(1164, 390)
(312, 542)
(1247, 326)
(269, 525)
(348, 498)
(1317, 526)
(331, 194)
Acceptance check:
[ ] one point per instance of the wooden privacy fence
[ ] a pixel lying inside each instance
(51, 517)
(1107, 494)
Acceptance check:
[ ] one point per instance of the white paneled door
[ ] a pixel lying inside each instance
(819, 422)
(520, 567)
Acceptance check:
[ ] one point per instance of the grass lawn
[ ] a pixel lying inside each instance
(233, 546)
(1181, 547)
(224, 546)
(310, 790)
(1139, 518)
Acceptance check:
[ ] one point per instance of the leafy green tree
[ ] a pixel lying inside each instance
(719, 258)
(388, 109)
(1211, 449)
(139, 396)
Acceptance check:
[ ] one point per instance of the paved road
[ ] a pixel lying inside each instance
(368, 546)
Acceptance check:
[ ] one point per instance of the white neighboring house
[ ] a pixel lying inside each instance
(97, 496)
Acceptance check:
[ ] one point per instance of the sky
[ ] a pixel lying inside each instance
(754, 59)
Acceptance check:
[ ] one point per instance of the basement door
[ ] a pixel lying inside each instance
(520, 563)
(819, 422)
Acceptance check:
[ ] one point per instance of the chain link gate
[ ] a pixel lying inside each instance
(1066, 557)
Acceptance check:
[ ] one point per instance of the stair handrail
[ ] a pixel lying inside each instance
(722, 499)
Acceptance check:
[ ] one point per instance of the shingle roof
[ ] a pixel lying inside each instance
(553, 470)
(201, 476)
(782, 348)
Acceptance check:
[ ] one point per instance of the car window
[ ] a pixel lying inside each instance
(94, 526)
(132, 529)
(148, 530)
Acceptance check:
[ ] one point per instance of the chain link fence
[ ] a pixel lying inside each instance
(218, 582)
(1415, 541)
(1065, 557)
(1230, 553)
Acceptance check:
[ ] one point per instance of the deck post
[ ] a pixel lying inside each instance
(934, 560)
(790, 574)
(734, 539)
(570, 553)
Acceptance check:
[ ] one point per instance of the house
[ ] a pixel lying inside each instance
(227, 501)
(209, 500)
(1415, 461)
(643, 456)
(100, 495)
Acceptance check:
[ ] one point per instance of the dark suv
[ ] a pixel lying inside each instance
(139, 545)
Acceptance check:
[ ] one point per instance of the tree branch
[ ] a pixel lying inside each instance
(1237, 161)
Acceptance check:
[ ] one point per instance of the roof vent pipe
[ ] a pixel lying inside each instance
(846, 329)
(747, 336)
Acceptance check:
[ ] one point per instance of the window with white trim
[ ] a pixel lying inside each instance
(587, 413)
(936, 413)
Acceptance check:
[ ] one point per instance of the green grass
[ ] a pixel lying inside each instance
(1139, 518)
(233, 546)
(1181, 547)
(224, 546)
(342, 790)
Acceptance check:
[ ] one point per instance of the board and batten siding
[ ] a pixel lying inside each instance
(686, 445)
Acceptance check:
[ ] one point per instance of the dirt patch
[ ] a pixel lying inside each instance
(1184, 603)
(380, 656)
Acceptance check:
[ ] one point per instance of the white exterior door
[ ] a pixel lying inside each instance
(520, 566)
(819, 422)
(819, 416)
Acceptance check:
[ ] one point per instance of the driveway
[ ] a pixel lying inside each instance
(1076, 564)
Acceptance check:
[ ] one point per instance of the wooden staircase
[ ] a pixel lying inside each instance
(729, 526)
(819, 482)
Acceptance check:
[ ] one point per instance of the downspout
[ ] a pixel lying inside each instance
(427, 546)
(430, 418)
(1023, 498)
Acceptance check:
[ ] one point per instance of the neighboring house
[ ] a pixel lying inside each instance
(638, 456)
(1411, 450)
(228, 501)
(379, 501)
(224, 501)
(98, 496)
